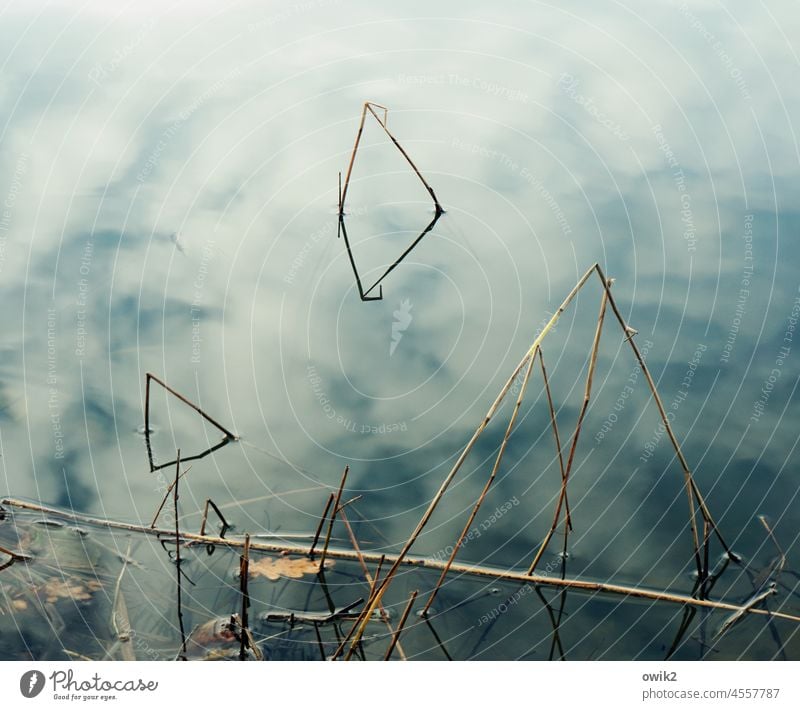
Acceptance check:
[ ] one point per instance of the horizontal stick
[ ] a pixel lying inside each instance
(408, 560)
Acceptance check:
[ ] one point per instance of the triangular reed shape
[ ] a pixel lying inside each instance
(229, 436)
(695, 499)
(369, 107)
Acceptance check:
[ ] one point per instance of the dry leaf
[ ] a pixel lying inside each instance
(273, 568)
(19, 604)
(70, 588)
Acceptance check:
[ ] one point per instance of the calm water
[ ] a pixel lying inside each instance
(169, 197)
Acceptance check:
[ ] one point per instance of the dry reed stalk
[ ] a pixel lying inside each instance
(224, 522)
(208, 418)
(396, 636)
(370, 596)
(557, 437)
(371, 581)
(368, 106)
(407, 560)
(15, 556)
(446, 483)
(244, 578)
(492, 475)
(333, 517)
(182, 653)
(587, 393)
(703, 578)
(166, 498)
(352, 159)
(320, 524)
(693, 492)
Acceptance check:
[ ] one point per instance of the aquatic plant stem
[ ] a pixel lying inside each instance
(150, 376)
(556, 437)
(371, 581)
(182, 653)
(320, 524)
(492, 475)
(407, 560)
(368, 106)
(334, 511)
(693, 492)
(587, 393)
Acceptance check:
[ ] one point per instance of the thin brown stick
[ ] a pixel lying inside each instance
(15, 556)
(400, 625)
(492, 475)
(703, 578)
(352, 159)
(693, 492)
(587, 393)
(376, 579)
(225, 525)
(368, 609)
(407, 560)
(147, 409)
(368, 106)
(320, 524)
(189, 403)
(371, 581)
(556, 436)
(244, 577)
(333, 517)
(166, 498)
(182, 653)
(373, 585)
